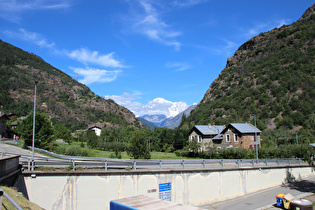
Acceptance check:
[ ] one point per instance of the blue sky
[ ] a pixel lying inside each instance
(137, 50)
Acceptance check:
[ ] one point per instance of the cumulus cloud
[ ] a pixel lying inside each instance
(86, 56)
(92, 75)
(127, 100)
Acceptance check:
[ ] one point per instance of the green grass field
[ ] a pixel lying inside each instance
(109, 154)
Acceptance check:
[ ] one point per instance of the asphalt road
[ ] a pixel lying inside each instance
(265, 199)
(13, 150)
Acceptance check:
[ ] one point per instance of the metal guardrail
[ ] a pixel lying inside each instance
(138, 164)
(9, 199)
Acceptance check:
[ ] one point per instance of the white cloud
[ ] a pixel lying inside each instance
(188, 3)
(12, 9)
(283, 22)
(92, 75)
(178, 66)
(127, 100)
(149, 23)
(86, 56)
(33, 37)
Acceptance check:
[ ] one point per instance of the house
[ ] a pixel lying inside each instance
(3, 124)
(97, 129)
(240, 135)
(204, 134)
(235, 135)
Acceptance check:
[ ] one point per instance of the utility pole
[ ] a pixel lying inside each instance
(33, 141)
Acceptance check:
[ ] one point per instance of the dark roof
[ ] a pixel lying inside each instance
(208, 130)
(95, 126)
(243, 128)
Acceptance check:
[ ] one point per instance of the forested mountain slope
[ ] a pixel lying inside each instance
(64, 99)
(271, 76)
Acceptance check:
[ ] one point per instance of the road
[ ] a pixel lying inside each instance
(265, 199)
(13, 150)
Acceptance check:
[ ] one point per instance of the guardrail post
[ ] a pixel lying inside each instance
(221, 162)
(183, 163)
(105, 165)
(299, 161)
(278, 162)
(73, 165)
(134, 165)
(265, 161)
(160, 163)
(29, 164)
(253, 163)
(203, 163)
(238, 163)
(289, 162)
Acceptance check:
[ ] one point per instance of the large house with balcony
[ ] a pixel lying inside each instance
(235, 135)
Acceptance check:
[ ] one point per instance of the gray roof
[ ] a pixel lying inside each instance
(213, 130)
(245, 128)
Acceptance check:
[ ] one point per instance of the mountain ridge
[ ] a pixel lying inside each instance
(270, 78)
(58, 94)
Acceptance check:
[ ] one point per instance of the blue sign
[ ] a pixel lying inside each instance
(165, 192)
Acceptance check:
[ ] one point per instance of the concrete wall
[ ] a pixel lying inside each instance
(195, 188)
(8, 165)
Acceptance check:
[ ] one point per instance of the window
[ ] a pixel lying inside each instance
(235, 138)
(253, 138)
(228, 138)
(199, 139)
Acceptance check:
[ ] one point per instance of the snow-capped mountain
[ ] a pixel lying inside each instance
(160, 106)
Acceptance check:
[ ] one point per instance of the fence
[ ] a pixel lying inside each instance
(137, 164)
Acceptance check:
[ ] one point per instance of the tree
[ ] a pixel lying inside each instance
(43, 130)
(91, 139)
(193, 146)
(138, 146)
(61, 132)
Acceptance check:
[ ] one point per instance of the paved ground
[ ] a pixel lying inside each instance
(13, 150)
(265, 199)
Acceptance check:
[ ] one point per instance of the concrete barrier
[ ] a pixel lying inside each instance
(91, 190)
(9, 167)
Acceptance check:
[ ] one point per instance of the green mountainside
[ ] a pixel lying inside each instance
(270, 76)
(64, 99)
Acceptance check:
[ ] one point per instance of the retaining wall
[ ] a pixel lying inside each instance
(92, 190)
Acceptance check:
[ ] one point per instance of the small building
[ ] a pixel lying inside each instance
(204, 134)
(235, 135)
(97, 129)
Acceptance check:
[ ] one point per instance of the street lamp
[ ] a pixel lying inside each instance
(33, 141)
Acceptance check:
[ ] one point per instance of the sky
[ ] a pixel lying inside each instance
(134, 51)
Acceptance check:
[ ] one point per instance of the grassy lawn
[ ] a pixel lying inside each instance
(108, 154)
(18, 198)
